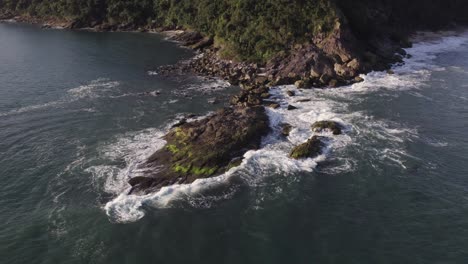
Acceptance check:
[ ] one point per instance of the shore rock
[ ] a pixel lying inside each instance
(286, 129)
(332, 126)
(204, 148)
(291, 107)
(310, 149)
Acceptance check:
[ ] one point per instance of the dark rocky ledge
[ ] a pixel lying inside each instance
(204, 148)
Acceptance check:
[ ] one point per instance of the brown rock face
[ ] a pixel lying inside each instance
(204, 148)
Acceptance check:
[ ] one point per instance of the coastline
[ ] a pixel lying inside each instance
(336, 63)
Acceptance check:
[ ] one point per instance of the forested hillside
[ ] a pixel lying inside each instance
(251, 29)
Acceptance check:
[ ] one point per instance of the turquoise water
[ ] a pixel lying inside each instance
(78, 110)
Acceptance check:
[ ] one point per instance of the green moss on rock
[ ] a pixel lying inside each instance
(310, 149)
(204, 148)
(333, 126)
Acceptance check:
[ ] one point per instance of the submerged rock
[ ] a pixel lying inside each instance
(204, 148)
(333, 126)
(310, 149)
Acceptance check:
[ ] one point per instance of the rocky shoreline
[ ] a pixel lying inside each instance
(211, 146)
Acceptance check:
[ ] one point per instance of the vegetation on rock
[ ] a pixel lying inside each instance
(204, 148)
(310, 149)
(333, 126)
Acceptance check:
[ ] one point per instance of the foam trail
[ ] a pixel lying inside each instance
(93, 89)
(89, 91)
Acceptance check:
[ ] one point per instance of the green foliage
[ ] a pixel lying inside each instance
(244, 29)
(250, 29)
(173, 149)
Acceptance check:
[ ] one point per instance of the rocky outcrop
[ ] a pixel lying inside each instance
(334, 127)
(6, 15)
(310, 149)
(314, 146)
(203, 148)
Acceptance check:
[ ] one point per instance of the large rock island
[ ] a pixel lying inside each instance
(203, 148)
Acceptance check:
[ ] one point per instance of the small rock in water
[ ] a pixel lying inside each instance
(274, 105)
(333, 126)
(291, 93)
(358, 79)
(291, 107)
(286, 129)
(310, 149)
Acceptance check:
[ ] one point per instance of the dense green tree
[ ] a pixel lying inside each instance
(251, 29)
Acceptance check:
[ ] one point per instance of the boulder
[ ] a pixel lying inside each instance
(286, 129)
(291, 93)
(291, 107)
(310, 149)
(332, 126)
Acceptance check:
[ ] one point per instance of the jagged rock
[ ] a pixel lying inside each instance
(188, 38)
(203, 148)
(291, 107)
(358, 79)
(310, 149)
(300, 84)
(202, 44)
(291, 93)
(325, 79)
(333, 126)
(286, 129)
(274, 105)
(314, 73)
(6, 15)
(333, 83)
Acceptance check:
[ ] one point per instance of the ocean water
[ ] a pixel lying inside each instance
(79, 111)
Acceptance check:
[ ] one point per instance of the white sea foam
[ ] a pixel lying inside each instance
(32, 108)
(208, 87)
(329, 104)
(93, 89)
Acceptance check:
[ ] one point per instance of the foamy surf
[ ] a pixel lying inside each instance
(314, 105)
(92, 90)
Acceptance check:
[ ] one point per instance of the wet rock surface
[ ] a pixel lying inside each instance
(334, 127)
(310, 149)
(204, 148)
